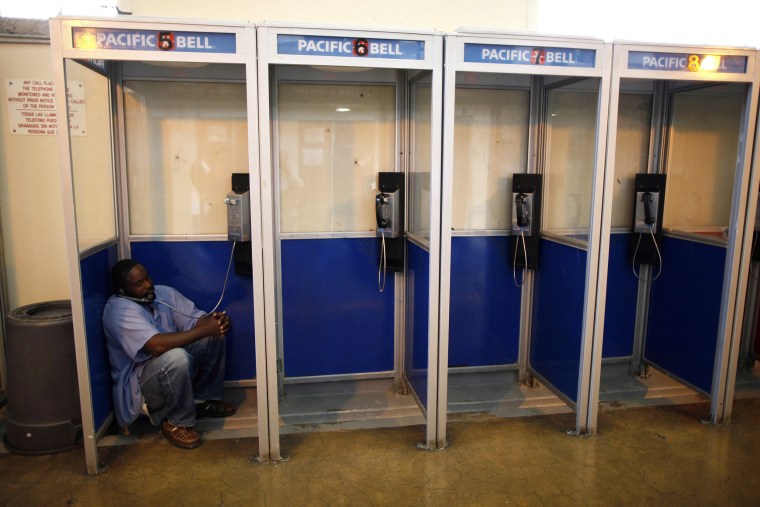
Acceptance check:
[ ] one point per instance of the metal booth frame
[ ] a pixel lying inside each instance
(272, 54)
(456, 61)
(626, 65)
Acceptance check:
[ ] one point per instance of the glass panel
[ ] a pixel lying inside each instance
(701, 163)
(91, 155)
(569, 166)
(419, 172)
(333, 140)
(632, 153)
(490, 144)
(184, 140)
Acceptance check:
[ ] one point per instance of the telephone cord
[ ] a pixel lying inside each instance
(383, 267)
(224, 289)
(659, 256)
(525, 258)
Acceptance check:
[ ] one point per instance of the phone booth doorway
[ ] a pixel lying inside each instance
(678, 181)
(350, 145)
(524, 144)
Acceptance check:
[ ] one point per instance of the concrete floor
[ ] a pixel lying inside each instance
(642, 456)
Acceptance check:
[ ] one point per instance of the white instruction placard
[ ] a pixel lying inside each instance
(31, 107)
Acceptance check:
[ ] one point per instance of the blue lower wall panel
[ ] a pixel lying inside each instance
(197, 269)
(96, 289)
(417, 326)
(484, 316)
(684, 311)
(555, 350)
(335, 319)
(622, 292)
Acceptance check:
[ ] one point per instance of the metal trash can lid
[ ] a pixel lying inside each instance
(49, 311)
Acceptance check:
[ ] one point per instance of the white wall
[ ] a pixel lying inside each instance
(31, 210)
(441, 15)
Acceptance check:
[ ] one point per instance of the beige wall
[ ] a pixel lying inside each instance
(31, 210)
(441, 15)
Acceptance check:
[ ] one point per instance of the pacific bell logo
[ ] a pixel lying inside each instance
(693, 65)
(538, 56)
(361, 47)
(165, 41)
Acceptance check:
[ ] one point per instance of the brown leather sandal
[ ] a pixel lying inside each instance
(180, 436)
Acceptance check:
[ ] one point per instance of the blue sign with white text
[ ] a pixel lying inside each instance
(358, 47)
(528, 55)
(687, 62)
(153, 40)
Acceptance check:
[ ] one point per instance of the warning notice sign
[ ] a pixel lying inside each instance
(31, 107)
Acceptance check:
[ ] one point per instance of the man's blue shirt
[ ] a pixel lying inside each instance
(128, 326)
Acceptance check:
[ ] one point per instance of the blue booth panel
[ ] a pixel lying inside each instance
(555, 348)
(622, 292)
(335, 319)
(484, 322)
(96, 289)
(197, 269)
(684, 311)
(417, 326)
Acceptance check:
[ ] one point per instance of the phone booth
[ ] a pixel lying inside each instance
(678, 181)
(160, 115)
(524, 143)
(350, 145)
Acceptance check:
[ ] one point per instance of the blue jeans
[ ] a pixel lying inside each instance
(171, 382)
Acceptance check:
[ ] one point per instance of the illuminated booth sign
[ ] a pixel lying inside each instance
(358, 47)
(527, 55)
(152, 40)
(687, 62)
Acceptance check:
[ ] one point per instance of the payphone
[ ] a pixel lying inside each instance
(389, 214)
(238, 203)
(526, 220)
(647, 219)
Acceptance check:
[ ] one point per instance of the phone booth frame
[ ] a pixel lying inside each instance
(64, 46)
(625, 65)
(457, 61)
(747, 344)
(272, 53)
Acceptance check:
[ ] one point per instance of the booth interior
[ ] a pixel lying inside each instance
(526, 122)
(679, 197)
(351, 149)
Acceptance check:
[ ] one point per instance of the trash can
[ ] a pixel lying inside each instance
(43, 414)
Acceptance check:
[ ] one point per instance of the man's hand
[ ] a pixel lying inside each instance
(225, 323)
(215, 324)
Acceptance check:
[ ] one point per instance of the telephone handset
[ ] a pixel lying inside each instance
(522, 210)
(648, 216)
(647, 211)
(382, 210)
(146, 300)
(387, 214)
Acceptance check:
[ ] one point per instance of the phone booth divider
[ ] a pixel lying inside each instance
(87, 57)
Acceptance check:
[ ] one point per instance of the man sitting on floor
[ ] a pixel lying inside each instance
(165, 353)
